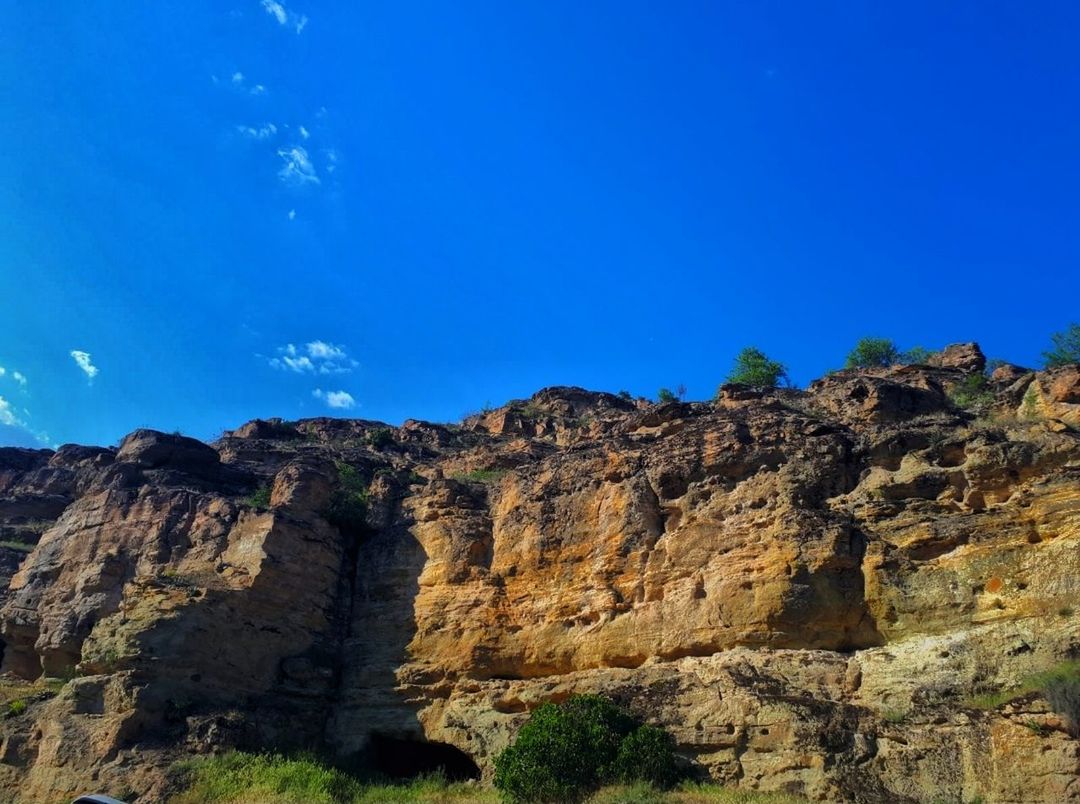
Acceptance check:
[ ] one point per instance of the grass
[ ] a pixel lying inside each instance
(1065, 671)
(238, 778)
(480, 475)
(22, 547)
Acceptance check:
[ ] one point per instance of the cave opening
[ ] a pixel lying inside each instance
(404, 759)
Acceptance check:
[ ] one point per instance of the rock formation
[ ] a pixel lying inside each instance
(805, 587)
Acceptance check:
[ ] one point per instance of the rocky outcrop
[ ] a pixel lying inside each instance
(805, 588)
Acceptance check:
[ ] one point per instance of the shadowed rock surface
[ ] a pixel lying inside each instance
(803, 587)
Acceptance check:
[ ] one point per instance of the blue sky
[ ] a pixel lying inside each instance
(437, 205)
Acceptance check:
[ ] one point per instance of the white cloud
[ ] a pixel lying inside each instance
(7, 416)
(314, 357)
(297, 170)
(292, 214)
(285, 17)
(325, 351)
(340, 400)
(238, 77)
(258, 89)
(332, 157)
(19, 377)
(263, 132)
(304, 132)
(83, 361)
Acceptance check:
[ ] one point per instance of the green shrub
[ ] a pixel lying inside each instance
(349, 502)
(565, 751)
(626, 395)
(972, 392)
(380, 437)
(753, 367)
(1066, 348)
(1062, 692)
(873, 353)
(647, 754)
(917, 355)
(260, 498)
(666, 395)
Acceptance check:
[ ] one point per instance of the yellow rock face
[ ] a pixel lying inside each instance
(806, 589)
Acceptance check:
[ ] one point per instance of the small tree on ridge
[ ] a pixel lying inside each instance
(753, 367)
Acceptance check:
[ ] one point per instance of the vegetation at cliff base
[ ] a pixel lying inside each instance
(1066, 348)
(753, 367)
(242, 778)
(276, 779)
(566, 751)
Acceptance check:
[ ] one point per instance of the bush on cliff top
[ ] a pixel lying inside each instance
(753, 367)
(566, 751)
(1066, 348)
(873, 353)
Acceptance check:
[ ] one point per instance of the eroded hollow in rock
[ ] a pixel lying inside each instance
(403, 759)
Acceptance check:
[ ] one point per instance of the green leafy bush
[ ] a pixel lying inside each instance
(1062, 692)
(565, 751)
(666, 395)
(380, 437)
(1066, 348)
(625, 395)
(972, 392)
(873, 353)
(349, 502)
(753, 367)
(260, 498)
(647, 754)
(917, 356)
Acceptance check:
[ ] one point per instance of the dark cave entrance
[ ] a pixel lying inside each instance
(404, 759)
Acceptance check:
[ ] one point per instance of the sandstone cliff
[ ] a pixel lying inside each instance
(805, 587)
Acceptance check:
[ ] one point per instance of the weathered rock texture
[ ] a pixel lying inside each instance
(805, 588)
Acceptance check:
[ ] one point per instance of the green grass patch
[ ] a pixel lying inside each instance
(480, 476)
(239, 778)
(1066, 671)
(22, 547)
(694, 792)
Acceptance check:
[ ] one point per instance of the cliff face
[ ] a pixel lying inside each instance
(803, 587)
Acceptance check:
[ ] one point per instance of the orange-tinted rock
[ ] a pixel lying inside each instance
(802, 587)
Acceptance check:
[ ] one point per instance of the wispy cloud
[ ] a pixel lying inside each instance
(315, 357)
(339, 400)
(82, 359)
(285, 17)
(298, 169)
(304, 133)
(292, 214)
(19, 377)
(238, 81)
(263, 132)
(7, 415)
